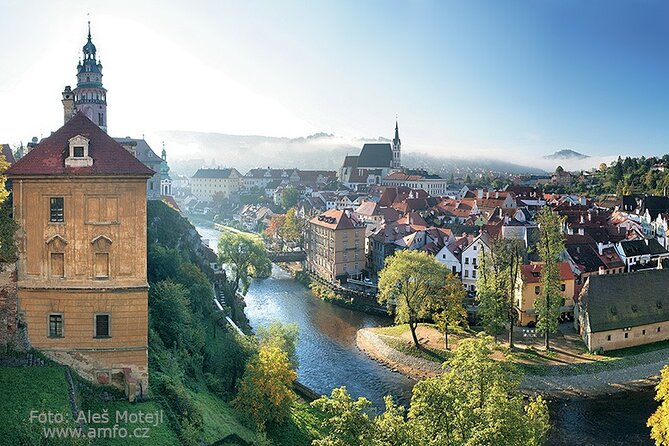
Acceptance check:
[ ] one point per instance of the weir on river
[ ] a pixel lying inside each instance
(328, 358)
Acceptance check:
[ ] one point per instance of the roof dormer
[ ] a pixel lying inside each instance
(78, 152)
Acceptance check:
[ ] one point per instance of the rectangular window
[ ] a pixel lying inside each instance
(56, 208)
(608, 338)
(78, 151)
(466, 273)
(55, 325)
(466, 260)
(102, 326)
(643, 332)
(101, 265)
(563, 287)
(57, 264)
(626, 335)
(537, 290)
(474, 274)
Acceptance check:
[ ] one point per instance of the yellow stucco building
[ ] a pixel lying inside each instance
(80, 202)
(529, 289)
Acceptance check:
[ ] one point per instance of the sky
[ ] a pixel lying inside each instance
(507, 79)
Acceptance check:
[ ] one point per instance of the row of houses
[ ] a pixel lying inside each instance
(599, 243)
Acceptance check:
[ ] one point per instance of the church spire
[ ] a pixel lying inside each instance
(90, 97)
(397, 147)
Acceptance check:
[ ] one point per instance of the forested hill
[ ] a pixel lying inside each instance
(629, 175)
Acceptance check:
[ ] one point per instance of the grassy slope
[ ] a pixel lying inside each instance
(23, 389)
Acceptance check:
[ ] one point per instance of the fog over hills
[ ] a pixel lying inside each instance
(187, 151)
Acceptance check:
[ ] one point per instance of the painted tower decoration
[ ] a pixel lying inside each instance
(90, 97)
(397, 148)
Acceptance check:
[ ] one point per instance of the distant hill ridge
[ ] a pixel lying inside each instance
(566, 154)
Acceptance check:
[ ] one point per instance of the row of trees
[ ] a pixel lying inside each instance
(499, 272)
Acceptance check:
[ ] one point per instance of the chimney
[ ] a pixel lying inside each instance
(582, 219)
(487, 195)
(581, 231)
(589, 216)
(480, 193)
(68, 104)
(600, 248)
(602, 271)
(496, 194)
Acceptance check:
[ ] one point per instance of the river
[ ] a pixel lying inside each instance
(328, 358)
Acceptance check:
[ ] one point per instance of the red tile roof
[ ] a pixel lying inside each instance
(337, 219)
(109, 157)
(532, 272)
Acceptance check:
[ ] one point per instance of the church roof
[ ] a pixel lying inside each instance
(109, 158)
(375, 155)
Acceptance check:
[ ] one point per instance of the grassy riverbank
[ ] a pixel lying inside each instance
(565, 370)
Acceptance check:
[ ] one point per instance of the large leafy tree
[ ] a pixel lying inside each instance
(244, 256)
(659, 420)
(265, 390)
(476, 401)
(447, 306)
(289, 197)
(409, 281)
(291, 231)
(550, 246)
(499, 267)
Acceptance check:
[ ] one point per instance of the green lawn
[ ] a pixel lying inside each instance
(24, 389)
(427, 353)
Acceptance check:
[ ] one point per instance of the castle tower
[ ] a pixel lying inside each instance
(397, 149)
(90, 97)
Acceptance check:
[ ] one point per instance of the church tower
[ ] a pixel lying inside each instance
(397, 149)
(165, 180)
(90, 97)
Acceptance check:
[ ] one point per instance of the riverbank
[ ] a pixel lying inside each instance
(628, 373)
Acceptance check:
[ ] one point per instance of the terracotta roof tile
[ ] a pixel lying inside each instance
(109, 158)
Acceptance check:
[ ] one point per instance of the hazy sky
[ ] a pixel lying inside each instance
(504, 78)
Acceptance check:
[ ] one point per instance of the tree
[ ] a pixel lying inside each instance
(346, 422)
(408, 281)
(289, 197)
(244, 256)
(8, 226)
(275, 226)
(170, 317)
(476, 401)
(447, 306)
(290, 231)
(550, 246)
(266, 388)
(499, 266)
(283, 336)
(659, 420)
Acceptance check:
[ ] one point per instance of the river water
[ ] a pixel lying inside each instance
(328, 358)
